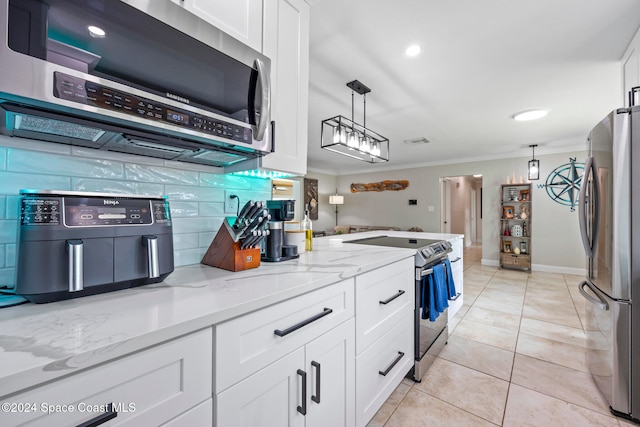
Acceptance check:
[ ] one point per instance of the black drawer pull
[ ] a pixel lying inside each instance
(456, 260)
(101, 419)
(316, 397)
(303, 408)
(395, 362)
(456, 297)
(387, 301)
(287, 331)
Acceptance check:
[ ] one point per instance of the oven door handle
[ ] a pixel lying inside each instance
(420, 273)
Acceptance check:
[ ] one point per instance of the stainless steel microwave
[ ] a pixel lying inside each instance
(135, 76)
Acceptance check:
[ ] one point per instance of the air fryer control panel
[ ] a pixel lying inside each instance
(73, 211)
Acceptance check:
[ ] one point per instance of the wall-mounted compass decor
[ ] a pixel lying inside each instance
(563, 183)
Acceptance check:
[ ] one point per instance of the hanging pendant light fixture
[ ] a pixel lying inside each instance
(346, 137)
(534, 165)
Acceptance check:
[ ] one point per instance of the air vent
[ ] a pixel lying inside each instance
(417, 141)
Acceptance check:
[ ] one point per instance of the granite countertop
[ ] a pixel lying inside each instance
(41, 342)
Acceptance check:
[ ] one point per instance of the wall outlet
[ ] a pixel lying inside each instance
(431, 208)
(230, 203)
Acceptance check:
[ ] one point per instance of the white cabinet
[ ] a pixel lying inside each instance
(384, 334)
(290, 364)
(286, 43)
(241, 19)
(151, 387)
(312, 386)
(631, 69)
(456, 258)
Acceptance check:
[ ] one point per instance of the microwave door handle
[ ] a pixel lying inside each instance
(264, 83)
(582, 208)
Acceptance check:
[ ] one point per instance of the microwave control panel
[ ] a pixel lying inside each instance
(92, 211)
(76, 89)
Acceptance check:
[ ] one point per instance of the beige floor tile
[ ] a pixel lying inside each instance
(563, 383)
(419, 409)
(552, 351)
(560, 311)
(529, 408)
(506, 321)
(481, 357)
(553, 331)
(384, 413)
(475, 392)
(486, 334)
(497, 305)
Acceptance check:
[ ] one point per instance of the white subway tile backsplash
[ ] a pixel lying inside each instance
(3, 207)
(31, 144)
(3, 256)
(12, 182)
(193, 167)
(10, 255)
(36, 162)
(7, 277)
(205, 239)
(113, 155)
(185, 241)
(201, 194)
(212, 209)
(196, 225)
(13, 207)
(121, 187)
(188, 256)
(3, 158)
(184, 209)
(8, 231)
(135, 172)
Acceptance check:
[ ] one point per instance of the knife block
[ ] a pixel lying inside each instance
(224, 252)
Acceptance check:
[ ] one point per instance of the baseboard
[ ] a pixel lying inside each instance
(541, 267)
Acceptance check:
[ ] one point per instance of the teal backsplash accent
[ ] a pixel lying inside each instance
(196, 193)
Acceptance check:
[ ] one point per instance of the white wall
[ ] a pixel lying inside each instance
(556, 242)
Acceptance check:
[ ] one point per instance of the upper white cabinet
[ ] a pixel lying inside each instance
(241, 19)
(286, 43)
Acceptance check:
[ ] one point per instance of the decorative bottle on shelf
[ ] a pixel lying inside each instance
(307, 228)
(524, 229)
(506, 229)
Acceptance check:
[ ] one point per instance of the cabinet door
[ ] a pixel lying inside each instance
(241, 19)
(286, 43)
(268, 398)
(330, 367)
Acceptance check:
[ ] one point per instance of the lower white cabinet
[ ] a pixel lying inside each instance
(311, 386)
(457, 270)
(148, 388)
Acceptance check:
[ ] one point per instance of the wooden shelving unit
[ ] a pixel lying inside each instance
(515, 226)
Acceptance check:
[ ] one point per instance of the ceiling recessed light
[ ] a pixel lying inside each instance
(413, 50)
(529, 115)
(96, 31)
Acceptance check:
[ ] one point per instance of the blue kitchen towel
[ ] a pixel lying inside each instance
(434, 295)
(451, 286)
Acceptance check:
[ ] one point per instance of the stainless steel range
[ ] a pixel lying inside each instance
(429, 337)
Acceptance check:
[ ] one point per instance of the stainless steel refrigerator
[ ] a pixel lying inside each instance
(609, 217)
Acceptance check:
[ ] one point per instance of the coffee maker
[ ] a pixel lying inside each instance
(276, 250)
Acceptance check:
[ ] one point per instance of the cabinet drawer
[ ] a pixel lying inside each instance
(248, 343)
(201, 415)
(373, 388)
(146, 388)
(382, 295)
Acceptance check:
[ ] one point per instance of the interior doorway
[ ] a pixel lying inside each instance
(461, 201)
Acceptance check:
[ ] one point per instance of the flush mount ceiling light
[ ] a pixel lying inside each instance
(413, 50)
(346, 137)
(417, 141)
(527, 115)
(534, 165)
(96, 32)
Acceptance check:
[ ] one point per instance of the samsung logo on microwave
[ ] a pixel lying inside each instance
(177, 98)
(111, 202)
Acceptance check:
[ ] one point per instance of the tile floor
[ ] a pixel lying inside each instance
(515, 357)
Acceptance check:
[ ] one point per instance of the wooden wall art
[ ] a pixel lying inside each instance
(380, 186)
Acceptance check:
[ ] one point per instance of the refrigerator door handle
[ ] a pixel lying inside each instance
(599, 302)
(589, 171)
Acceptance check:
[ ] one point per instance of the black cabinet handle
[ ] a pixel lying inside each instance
(456, 297)
(287, 331)
(395, 362)
(303, 408)
(316, 398)
(456, 260)
(387, 301)
(101, 419)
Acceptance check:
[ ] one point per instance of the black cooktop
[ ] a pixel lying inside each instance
(395, 242)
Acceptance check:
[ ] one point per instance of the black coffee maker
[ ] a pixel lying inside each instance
(275, 249)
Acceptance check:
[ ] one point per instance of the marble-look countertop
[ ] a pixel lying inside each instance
(41, 342)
